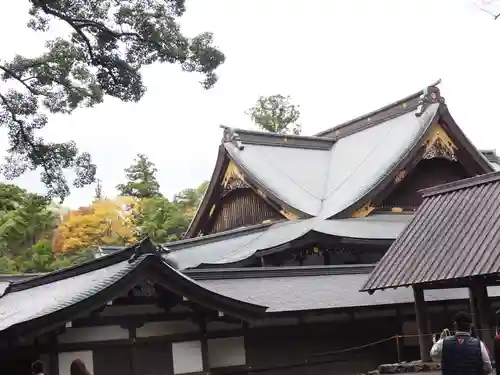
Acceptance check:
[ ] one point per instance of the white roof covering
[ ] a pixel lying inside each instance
(324, 182)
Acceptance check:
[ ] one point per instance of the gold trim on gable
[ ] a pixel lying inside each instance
(232, 171)
(289, 215)
(438, 144)
(364, 211)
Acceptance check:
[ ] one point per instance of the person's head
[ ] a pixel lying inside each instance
(78, 368)
(37, 368)
(462, 321)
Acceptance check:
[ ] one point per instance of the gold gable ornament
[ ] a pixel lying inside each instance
(439, 149)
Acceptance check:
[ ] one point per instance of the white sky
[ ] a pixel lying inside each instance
(338, 59)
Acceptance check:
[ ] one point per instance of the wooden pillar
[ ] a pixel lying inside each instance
(474, 309)
(53, 355)
(424, 338)
(248, 344)
(204, 345)
(132, 337)
(480, 308)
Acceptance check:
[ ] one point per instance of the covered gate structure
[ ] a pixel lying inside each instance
(452, 242)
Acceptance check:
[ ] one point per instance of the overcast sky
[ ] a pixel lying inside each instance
(337, 59)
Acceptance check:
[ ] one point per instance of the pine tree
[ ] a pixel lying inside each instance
(101, 52)
(141, 179)
(98, 192)
(276, 114)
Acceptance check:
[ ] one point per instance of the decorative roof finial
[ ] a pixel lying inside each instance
(430, 94)
(143, 247)
(231, 136)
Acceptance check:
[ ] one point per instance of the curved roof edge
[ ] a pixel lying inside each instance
(204, 206)
(85, 288)
(387, 108)
(235, 250)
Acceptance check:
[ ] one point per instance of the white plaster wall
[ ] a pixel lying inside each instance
(225, 352)
(166, 328)
(66, 358)
(186, 357)
(98, 333)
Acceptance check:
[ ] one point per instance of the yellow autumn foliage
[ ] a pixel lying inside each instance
(104, 222)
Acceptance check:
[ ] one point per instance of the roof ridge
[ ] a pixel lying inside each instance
(349, 123)
(465, 183)
(271, 134)
(266, 272)
(240, 137)
(85, 267)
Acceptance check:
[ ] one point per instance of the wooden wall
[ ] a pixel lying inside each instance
(427, 173)
(242, 207)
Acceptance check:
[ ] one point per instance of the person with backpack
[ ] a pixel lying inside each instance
(462, 354)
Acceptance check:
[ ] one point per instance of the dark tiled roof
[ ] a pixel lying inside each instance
(50, 299)
(455, 234)
(313, 288)
(282, 289)
(31, 303)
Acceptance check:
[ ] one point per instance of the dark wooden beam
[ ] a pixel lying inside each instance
(424, 337)
(480, 308)
(131, 320)
(461, 283)
(53, 355)
(204, 345)
(367, 241)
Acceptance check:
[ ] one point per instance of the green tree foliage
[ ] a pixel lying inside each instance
(38, 236)
(108, 43)
(276, 114)
(27, 222)
(24, 219)
(141, 179)
(40, 258)
(162, 220)
(188, 200)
